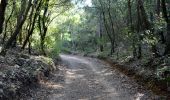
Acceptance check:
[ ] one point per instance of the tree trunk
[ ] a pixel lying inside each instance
(112, 48)
(29, 46)
(3, 5)
(31, 28)
(20, 37)
(6, 23)
(166, 17)
(109, 34)
(132, 29)
(101, 33)
(112, 30)
(17, 30)
(158, 7)
(145, 23)
(139, 22)
(44, 28)
(167, 49)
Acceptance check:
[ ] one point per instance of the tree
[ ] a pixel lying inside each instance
(132, 28)
(109, 26)
(3, 5)
(43, 26)
(33, 17)
(167, 19)
(21, 19)
(7, 21)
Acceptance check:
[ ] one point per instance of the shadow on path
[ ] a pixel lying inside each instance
(83, 78)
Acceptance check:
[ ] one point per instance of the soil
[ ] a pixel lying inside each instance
(84, 78)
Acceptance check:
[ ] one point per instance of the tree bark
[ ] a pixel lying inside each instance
(6, 23)
(3, 5)
(139, 29)
(158, 7)
(100, 32)
(167, 19)
(112, 30)
(43, 26)
(145, 23)
(29, 46)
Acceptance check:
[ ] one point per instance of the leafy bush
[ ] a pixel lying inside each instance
(164, 73)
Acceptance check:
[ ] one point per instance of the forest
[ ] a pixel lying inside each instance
(38, 37)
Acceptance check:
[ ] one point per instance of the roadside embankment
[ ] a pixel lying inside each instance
(19, 71)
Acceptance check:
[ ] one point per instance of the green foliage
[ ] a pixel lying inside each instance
(161, 73)
(103, 55)
(55, 50)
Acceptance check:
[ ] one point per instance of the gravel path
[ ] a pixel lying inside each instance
(84, 78)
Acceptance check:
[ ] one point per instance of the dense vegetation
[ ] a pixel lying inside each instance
(121, 29)
(27, 22)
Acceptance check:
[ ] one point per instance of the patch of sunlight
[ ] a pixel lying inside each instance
(70, 73)
(101, 72)
(76, 70)
(83, 99)
(76, 76)
(52, 85)
(75, 58)
(0, 48)
(112, 91)
(55, 86)
(107, 74)
(139, 96)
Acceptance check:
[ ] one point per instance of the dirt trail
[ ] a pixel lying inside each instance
(89, 79)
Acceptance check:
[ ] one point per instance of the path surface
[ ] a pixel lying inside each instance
(88, 79)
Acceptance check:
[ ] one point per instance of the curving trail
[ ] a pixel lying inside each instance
(84, 78)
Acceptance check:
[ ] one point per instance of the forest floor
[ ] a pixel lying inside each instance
(84, 78)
